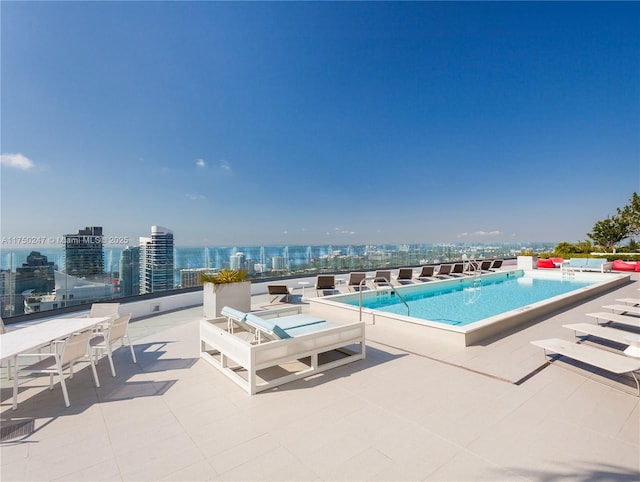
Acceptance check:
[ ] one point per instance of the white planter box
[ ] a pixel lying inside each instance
(234, 295)
(527, 262)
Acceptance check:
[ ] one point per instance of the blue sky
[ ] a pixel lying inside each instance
(317, 123)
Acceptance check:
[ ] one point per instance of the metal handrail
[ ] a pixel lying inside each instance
(379, 278)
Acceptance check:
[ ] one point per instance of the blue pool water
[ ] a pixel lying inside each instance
(470, 300)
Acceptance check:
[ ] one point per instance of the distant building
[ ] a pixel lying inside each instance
(130, 271)
(68, 291)
(83, 252)
(156, 261)
(277, 263)
(36, 275)
(190, 277)
(7, 292)
(237, 261)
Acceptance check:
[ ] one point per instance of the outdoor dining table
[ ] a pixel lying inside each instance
(32, 337)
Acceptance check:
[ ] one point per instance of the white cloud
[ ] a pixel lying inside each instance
(17, 161)
(224, 165)
(201, 163)
(481, 233)
(195, 197)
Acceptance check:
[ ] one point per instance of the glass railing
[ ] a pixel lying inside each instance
(41, 278)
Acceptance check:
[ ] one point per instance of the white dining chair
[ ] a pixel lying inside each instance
(116, 331)
(65, 354)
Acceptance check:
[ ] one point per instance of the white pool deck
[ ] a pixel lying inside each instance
(415, 409)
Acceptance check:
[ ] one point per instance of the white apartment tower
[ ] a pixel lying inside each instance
(156, 261)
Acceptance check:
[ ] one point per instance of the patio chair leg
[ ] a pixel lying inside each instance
(109, 355)
(95, 373)
(133, 354)
(15, 390)
(64, 389)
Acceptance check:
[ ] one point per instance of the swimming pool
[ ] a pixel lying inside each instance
(470, 300)
(470, 309)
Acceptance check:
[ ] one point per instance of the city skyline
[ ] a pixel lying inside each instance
(318, 123)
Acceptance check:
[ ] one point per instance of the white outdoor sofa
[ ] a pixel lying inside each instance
(587, 264)
(265, 349)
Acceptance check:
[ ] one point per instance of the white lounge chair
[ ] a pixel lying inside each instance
(605, 317)
(634, 310)
(631, 341)
(597, 357)
(300, 341)
(629, 301)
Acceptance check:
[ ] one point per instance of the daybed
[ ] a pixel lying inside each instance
(284, 348)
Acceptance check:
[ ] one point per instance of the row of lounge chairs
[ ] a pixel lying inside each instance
(326, 283)
(618, 327)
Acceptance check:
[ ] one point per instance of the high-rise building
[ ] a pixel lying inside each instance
(35, 277)
(156, 261)
(277, 263)
(190, 277)
(7, 292)
(130, 271)
(237, 261)
(83, 252)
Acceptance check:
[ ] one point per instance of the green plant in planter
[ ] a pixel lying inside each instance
(527, 253)
(224, 276)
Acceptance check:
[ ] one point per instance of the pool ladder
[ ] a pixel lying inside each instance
(362, 284)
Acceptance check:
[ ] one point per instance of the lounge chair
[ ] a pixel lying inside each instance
(597, 357)
(355, 279)
(382, 278)
(629, 301)
(405, 276)
(457, 270)
(444, 271)
(324, 283)
(496, 264)
(624, 309)
(306, 347)
(426, 273)
(282, 291)
(485, 264)
(606, 318)
(631, 341)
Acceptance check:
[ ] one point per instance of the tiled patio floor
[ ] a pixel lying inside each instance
(421, 412)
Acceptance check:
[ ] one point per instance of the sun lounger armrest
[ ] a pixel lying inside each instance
(266, 326)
